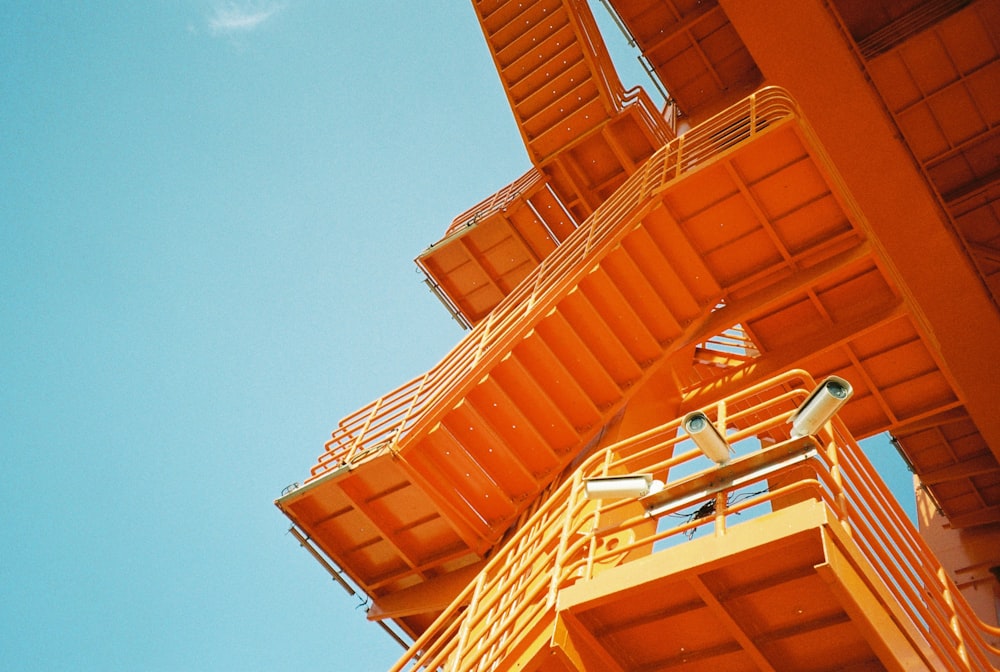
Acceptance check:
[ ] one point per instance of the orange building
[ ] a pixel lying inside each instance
(642, 455)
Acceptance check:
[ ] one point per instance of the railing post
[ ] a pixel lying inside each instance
(590, 235)
(538, 272)
(484, 335)
(720, 513)
(836, 473)
(953, 621)
(680, 155)
(364, 430)
(560, 556)
(463, 632)
(409, 411)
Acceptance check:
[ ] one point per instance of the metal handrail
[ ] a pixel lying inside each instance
(404, 413)
(495, 202)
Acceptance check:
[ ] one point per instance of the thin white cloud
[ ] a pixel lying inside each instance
(241, 17)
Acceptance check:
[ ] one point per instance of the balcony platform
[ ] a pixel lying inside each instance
(786, 591)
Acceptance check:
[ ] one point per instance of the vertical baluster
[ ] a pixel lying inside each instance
(409, 411)
(364, 430)
(560, 555)
(483, 338)
(956, 627)
(463, 632)
(720, 513)
(680, 155)
(836, 472)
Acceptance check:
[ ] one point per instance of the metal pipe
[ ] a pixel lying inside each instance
(304, 542)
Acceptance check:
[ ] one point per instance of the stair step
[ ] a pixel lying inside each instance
(442, 458)
(495, 14)
(531, 15)
(533, 50)
(618, 314)
(643, 297)
(684, 262)
(660, 274)
(591, 328)
(439, 488)
(575, 80)
(513, 427)
(491, 452)
(526, 82)
(557, 109)
(579, 361)
(557, 137)
(546, 417)
(559, 384)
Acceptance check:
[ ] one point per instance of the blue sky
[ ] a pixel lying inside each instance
(208, 215)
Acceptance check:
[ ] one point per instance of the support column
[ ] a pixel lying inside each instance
(798, 44)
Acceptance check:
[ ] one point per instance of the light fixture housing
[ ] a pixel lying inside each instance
(820, 406)
(620, 487)
(707, 437)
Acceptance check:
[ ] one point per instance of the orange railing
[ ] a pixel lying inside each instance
(569, 538)
(415, 406)
(495, 202)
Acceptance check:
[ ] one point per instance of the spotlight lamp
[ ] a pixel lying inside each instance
(707, 437)
(621, 487)
(820, 406)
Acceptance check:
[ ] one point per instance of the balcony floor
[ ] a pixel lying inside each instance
(787, 591)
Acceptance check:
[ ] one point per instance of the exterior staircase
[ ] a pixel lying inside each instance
(426, 480)
(627, 261)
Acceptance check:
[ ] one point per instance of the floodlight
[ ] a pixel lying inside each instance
(820, 406)
(707, 437)
(620, 487)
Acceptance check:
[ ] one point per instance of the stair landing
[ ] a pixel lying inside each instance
(787, 592)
